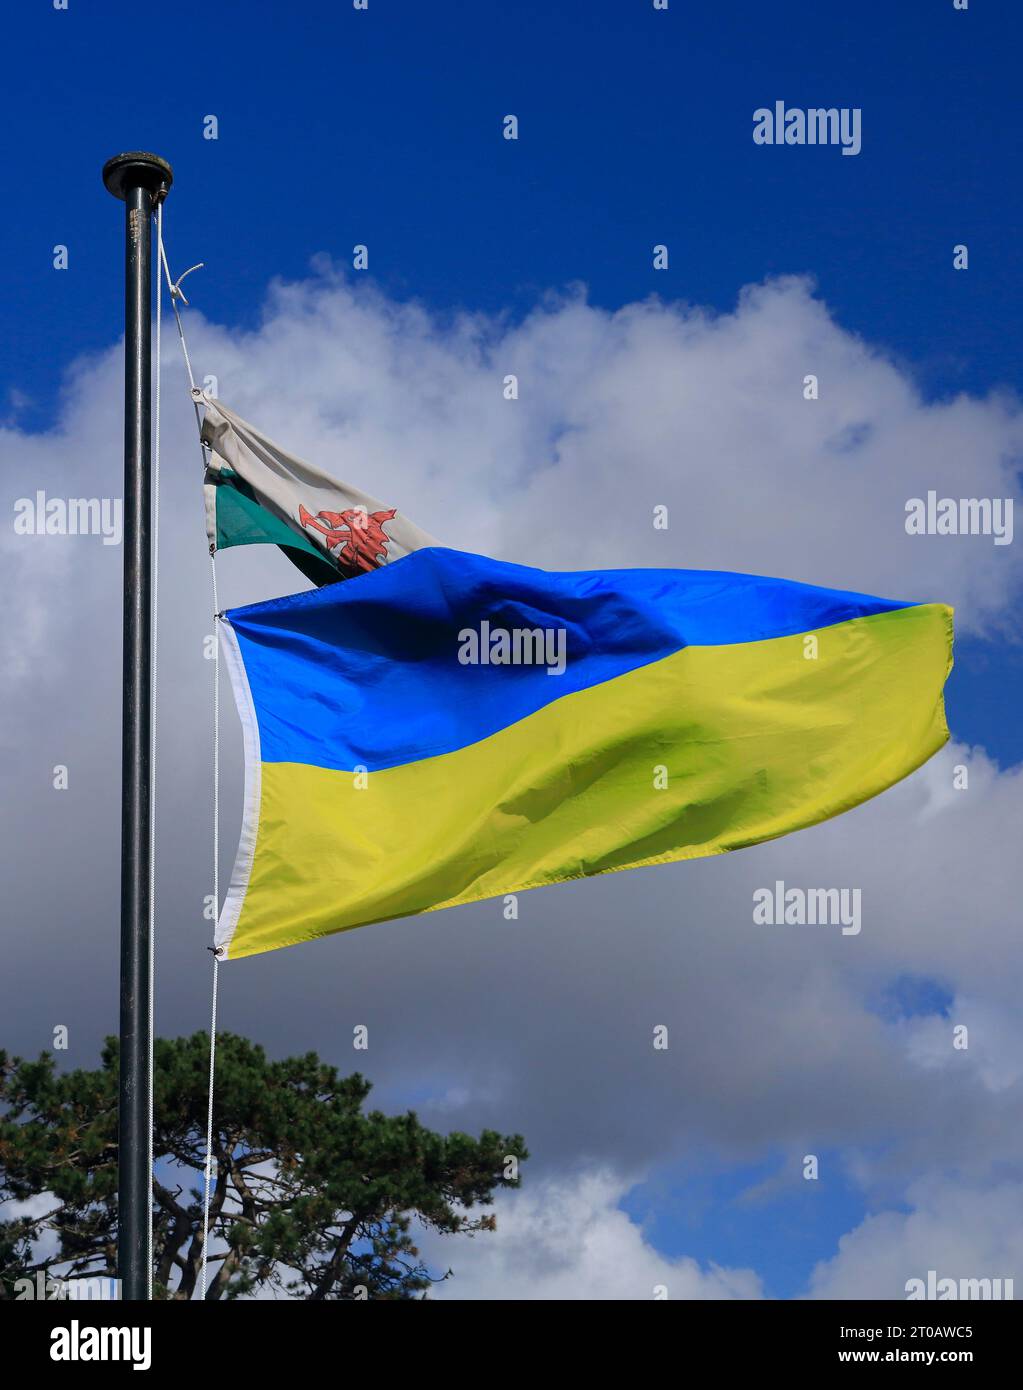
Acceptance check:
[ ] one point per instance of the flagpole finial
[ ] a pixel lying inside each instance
(136, 169)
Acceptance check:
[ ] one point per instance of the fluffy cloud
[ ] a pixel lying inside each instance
(618, 412)
(959, 1232)
(567, 1240)
(544, 1026)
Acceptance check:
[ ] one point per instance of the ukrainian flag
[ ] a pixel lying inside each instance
(450, 728)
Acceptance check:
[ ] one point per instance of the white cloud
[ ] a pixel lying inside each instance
(990, 1041)
(543, 1026)
(958, 1231)
(567, 1240)
(46, 1246)
(618, 412)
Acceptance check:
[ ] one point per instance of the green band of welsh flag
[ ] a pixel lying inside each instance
(258, 493)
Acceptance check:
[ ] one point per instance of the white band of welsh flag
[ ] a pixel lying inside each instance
(258, 493)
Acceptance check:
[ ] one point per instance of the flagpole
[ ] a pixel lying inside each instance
(140, 180)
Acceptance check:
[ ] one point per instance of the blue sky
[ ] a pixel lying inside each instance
(383, 127)
(339, 127)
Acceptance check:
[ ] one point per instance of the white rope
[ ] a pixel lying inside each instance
(175, 292)
(216, 738)
(216, 909)
(209, 1136)
(154, 652)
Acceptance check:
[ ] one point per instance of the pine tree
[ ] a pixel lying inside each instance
(312, 1196)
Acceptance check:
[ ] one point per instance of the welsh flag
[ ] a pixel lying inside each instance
(258, 493)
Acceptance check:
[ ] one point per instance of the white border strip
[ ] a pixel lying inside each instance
(228, 919)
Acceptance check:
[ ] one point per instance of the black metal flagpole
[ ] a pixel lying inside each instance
(140, 180)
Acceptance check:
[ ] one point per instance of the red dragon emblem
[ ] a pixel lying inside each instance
(356, 539)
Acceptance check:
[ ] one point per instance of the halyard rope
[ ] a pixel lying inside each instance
(154, 653)
(209, 1136)
(175, 293)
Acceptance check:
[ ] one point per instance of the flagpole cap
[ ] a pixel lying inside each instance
(136, 169)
